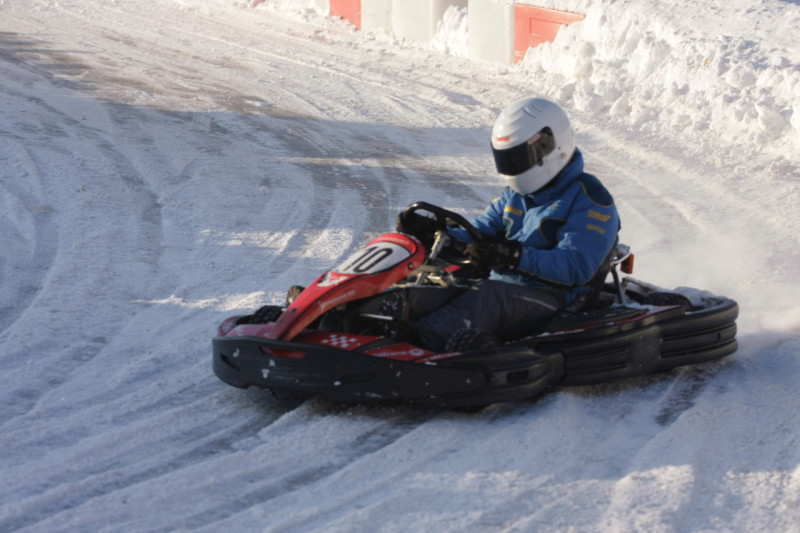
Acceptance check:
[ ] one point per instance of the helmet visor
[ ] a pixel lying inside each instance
(519, 158)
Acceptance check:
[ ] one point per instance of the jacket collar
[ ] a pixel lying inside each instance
(562, 180)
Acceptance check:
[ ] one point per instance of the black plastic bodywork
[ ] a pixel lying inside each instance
(579, 349)
(502, 374)
(622, 349)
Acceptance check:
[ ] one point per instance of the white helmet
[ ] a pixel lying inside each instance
(532, 141)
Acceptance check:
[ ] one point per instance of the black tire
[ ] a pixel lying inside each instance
(266, 314)
(664, 298)
(471, 339)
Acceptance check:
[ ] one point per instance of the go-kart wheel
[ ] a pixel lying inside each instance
(266, 314)
(471, 339)
(665, 298)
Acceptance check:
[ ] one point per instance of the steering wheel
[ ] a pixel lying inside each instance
(445, 219)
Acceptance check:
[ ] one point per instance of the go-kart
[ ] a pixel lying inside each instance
(347, 335)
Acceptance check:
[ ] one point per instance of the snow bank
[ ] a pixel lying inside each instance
(661, 69)
(656, 67)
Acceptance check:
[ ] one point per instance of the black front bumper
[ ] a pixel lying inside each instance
(501, 374)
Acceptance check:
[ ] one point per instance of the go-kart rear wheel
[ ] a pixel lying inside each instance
(471, 339)
(266, 314)
(666, 298)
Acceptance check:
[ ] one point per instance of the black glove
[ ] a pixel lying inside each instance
(422, 227)
(492, 253)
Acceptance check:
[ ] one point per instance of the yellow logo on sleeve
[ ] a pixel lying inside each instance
(598, 229)
(598, 216)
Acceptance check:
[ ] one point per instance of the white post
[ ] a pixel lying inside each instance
(376, 14)
(323, 6)
(417, 20)
(491, 30)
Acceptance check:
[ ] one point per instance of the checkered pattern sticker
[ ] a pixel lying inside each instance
(340, 341)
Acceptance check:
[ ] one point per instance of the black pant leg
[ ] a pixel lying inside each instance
(510, 311)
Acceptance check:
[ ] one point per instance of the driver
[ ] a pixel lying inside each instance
(546, 235)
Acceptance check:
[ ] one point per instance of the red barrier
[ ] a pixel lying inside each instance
(537, 25)
(347, 9)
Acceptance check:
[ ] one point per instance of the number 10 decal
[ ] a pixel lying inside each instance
(372, 259)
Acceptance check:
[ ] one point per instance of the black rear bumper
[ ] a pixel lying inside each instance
(658, 342)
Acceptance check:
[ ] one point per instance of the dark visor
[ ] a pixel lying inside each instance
(518, 159)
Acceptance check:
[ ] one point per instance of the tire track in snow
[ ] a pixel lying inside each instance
(55, 141)
(688, 385)
(89, 482)
(218, 441)
(375, 434)
(29, 233)
(27, 225)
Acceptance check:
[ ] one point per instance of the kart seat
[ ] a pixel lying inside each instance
(620, 254)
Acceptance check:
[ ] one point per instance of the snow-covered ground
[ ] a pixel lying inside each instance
(166, 163)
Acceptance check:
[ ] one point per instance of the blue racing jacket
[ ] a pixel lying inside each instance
(566, 229)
